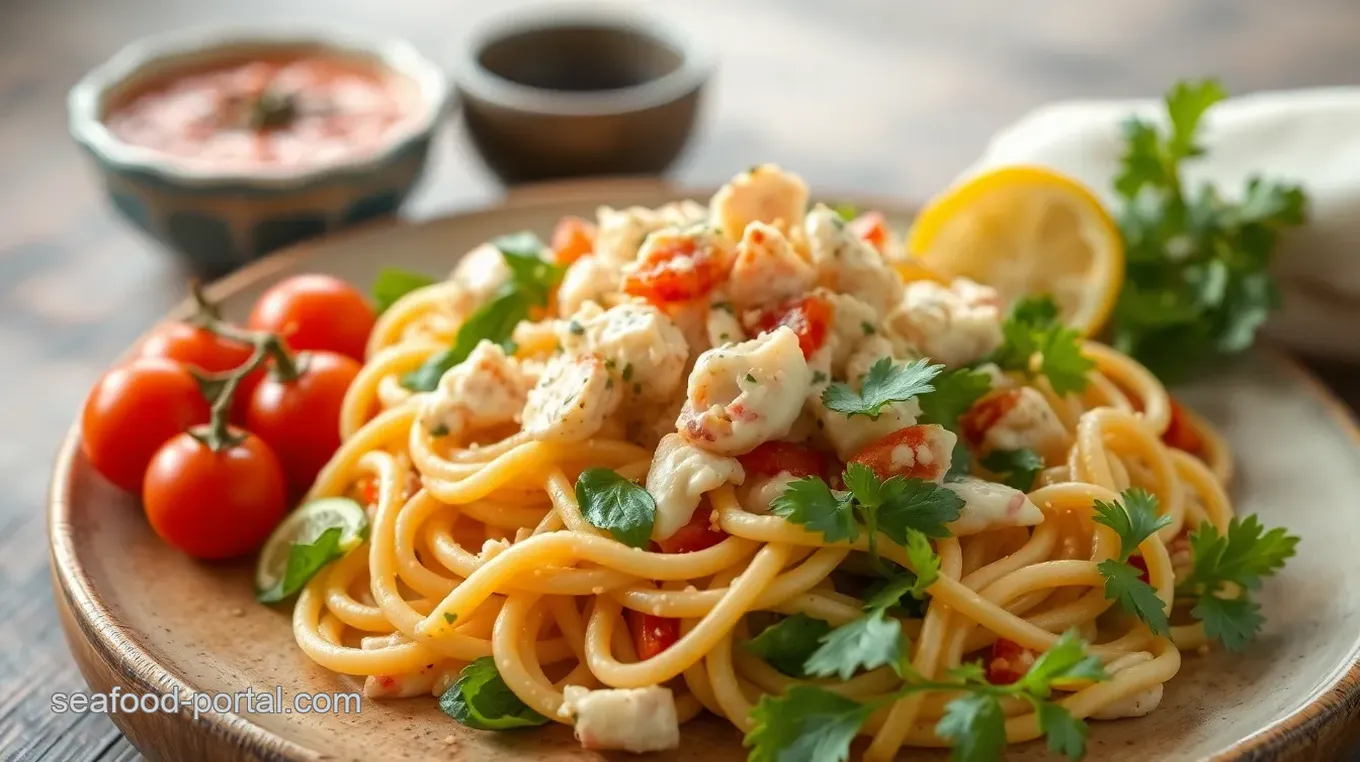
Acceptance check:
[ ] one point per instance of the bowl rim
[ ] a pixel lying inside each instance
(398, 55)
(475, 81)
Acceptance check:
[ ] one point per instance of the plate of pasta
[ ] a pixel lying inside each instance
(733, 475)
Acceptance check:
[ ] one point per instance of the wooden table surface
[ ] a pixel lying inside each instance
(884, 96)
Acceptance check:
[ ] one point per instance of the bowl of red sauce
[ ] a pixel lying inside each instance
(227, 145)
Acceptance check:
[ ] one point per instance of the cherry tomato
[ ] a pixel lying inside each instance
(676, 272)
(871, 228)
(984, 413)
(1010, 661)
(1180, 432)
(915, 452)
(809, 317)
(572, 239)
(771, 458)
(300, 419)
(214, 505)
(205, 350)
(316, 312)
(697, 535)
(132, 411)
(652, 634)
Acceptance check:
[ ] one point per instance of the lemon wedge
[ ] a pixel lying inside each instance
(1027, 230)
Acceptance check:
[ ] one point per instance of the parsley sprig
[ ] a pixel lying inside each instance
(532, 280)
(886, 382)
(1134, 519)
(1241, 557)
(1197, 281)
(811, 724)
(1036, 343)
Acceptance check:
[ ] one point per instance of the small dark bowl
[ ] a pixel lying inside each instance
(580, 93)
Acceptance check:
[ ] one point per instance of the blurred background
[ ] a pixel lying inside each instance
(888, 98)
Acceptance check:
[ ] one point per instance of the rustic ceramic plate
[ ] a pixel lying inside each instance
(141, 616)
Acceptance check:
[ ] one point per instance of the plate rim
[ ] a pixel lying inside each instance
(1326, 715)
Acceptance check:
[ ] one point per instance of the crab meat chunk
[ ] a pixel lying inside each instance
(988, 505)
(745, 394)
(625, 719)
(588, 279)
(848, 265)
(1014, 419)
(403, 685)
(767, 270)
(487, 389)
(477, 277)
(573, 398)
(954, 325)
(759, 492)
(638, 342)
(679, 476)
(620, 232)
(764, 193)
(722, 325)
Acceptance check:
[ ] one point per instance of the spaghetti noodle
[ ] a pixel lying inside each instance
(480, 547)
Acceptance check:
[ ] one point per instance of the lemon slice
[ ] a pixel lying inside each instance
(304, 527)
(1027, 230)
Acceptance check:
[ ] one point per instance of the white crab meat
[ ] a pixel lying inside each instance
(988, 505)
(620, 232)
(848, 265)
(763, 193)
(722, 325)
(679, 476)
(477, 277)
(852, 322)
(625, 719)
(954, 325)
(759, 492)
(1030, 423)
(745, 394)
(574, 396)
(487, 389)
(588, 279)
(638, 342)
(767, 270)
(402, 685)
(1136, 705)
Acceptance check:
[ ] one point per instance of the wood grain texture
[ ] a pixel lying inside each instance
(885, 97)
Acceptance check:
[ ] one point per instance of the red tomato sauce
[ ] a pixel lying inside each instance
(279, 112)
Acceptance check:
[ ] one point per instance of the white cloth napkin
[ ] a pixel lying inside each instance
(1310, 137)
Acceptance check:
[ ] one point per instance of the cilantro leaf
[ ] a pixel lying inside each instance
(1015, 468)
(1134, 521)
(1037, 311)
(480, 699)
(899, 591)
(977, 726)
(788, 644)
(916, 505)
(531, 283)
(610, 502)
(1233, 622)
(885, 382)
(1186, 104)
(868, 642)
(1062, 361)
(806, 724)
(393, 283)
(1066, 734)
(1031, 328)
(1123, 585)
(955, 392)
(1242, 556)
(1064, 662)
(811, 503)
(925, 561)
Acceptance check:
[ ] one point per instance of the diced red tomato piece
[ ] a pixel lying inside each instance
(572, 239)
(677, 271)
(1138, 563)
(771, 458)
(699, 534)
(368, 490)
(1180, 432)
(808, 317)
(652, 634)
(984, 414)
(871, 228)
(918, 440)
(1010, 661)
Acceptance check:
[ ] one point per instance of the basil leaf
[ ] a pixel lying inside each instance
(610, 502)
(304, 561)
(393, 283)
(480, 699)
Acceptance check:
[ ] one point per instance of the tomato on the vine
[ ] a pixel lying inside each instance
(300, 417)
(316, 312)
(195, 346)
(132, 411)
(214, 504)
